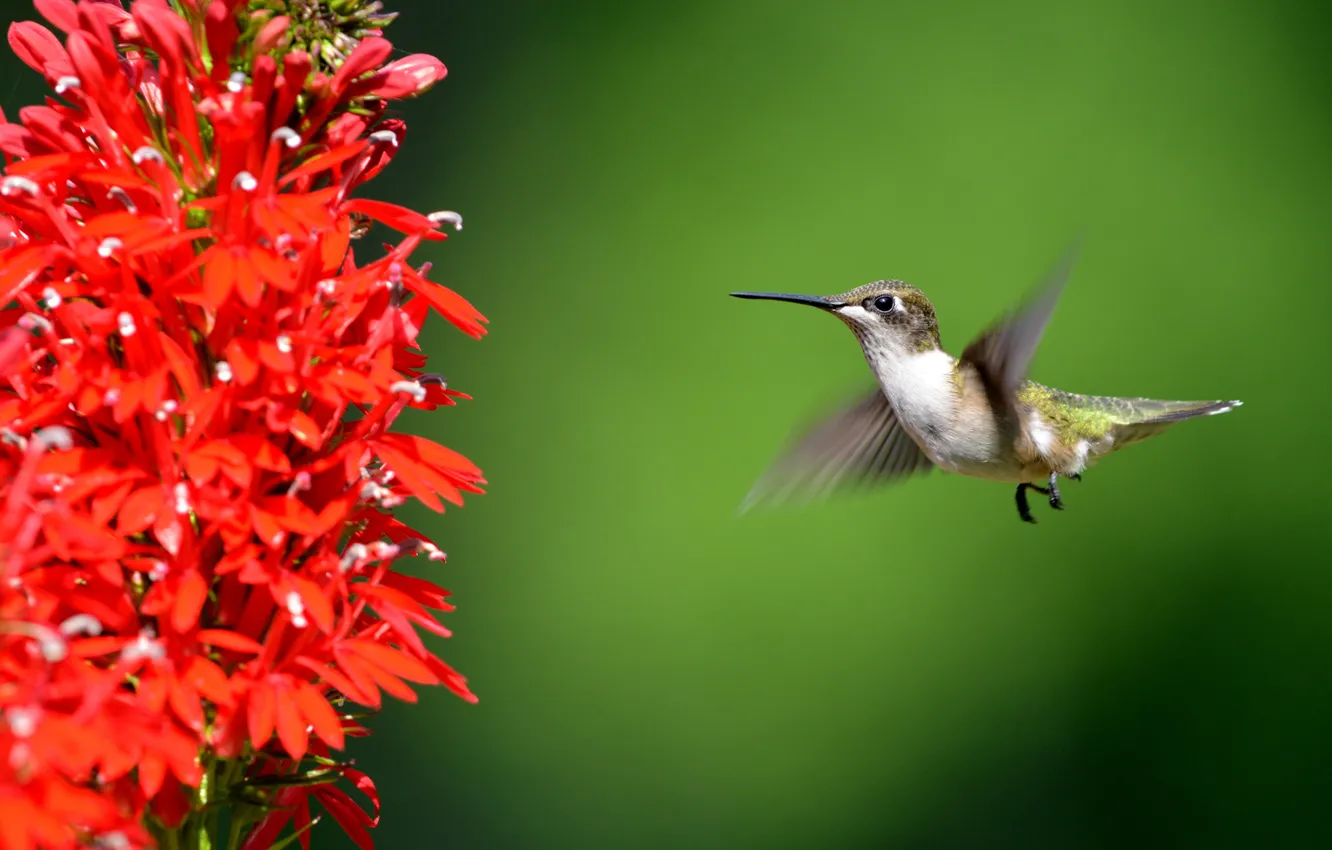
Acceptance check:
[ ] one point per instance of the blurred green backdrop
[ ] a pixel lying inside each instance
(912, 668)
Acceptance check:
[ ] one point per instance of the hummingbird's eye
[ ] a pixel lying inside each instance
(885, 303)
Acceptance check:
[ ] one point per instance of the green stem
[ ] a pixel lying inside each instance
(206, 810)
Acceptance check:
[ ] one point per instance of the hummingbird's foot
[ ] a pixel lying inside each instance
(1055, 502)
(1077, 476)
(1024, 509)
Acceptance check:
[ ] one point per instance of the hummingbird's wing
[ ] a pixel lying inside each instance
(859, 445)
(1003, 352)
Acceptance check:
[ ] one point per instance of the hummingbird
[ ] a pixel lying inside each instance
(976, 415)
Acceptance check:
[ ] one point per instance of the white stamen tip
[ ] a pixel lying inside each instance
(245, 181)
(286, 136)
(143, 646)
(235, 82)
(125, 322)
(300, 483)
(284, 344)
(123, 197)
(148, 153)
(182, 493)
(50, 298)
(81, 624)
(53, 648)
(111, 396)
(412, 388)
(223, 371)
(383, 137)
(108, 246)
(54, 437)
(447, 216)
(14, 185)
(296, 608)
(31, 322)
(66, 83)
(354, 553)
(21, 721)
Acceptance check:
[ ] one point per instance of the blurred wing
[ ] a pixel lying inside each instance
(864, 444)
(1003, 353)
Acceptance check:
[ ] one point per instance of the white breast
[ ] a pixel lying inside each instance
(922, 387)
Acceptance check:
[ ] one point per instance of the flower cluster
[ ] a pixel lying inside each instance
(197, 385)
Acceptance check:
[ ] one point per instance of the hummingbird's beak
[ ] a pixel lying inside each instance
(811, 300)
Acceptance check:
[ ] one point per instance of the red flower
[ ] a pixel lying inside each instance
(199, 383)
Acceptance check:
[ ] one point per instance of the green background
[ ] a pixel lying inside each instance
(912, 668)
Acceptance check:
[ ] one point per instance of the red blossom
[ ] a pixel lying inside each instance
(197, 386)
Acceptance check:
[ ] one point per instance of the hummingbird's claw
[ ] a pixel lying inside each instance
(1055, 501)
(1024, 509)
(1077, 476)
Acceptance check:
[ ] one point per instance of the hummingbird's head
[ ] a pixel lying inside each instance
(889, 314)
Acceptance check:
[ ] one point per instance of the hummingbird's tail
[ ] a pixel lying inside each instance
(1139, 418)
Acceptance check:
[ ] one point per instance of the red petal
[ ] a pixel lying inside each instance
(234, 641)
(13, 347)
(185, 703)
(346, 686)
(93, 647)
(289, 513)
(369, 54)
(190, 597)
(209, 680)
(402, 219)
(366, 786)
(316, 603)
(349, 816)
(152, 772)
(424, 592)
(359, 674)
(320, 715)
(171, 805)
(323, 162)
(394, 661)
(453, 307)
(261, 452)
(291, 727)
(243, 355)
(412, 476)
(304, 429)
(20, 267)
(63, 14)
(410, 76)
(219, 275)
(37, 47)
(259, 711)
(381, 599)
(265, 833)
